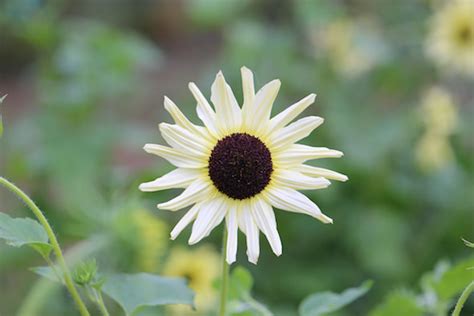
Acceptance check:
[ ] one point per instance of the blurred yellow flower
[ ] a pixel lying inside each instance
(433, 152)
(352, 46)
(152, 236)
(439, 112)
(440, 116)
(201, 267)
(451, 39)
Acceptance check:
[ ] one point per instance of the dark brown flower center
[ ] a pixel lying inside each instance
(240, 166)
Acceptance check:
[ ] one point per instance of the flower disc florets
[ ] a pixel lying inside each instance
(240, 166)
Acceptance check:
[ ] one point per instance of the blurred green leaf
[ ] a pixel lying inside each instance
(133, 291)
(455, 279)
(398, 303)
(327, 302)
(46, 272)
(24, 231)
(241, 282)
(241, 301)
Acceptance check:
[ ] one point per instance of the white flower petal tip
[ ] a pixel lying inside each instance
(323, 218)
(252, 259)
(145, 187)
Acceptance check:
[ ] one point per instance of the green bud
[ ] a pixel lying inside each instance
(85, 273)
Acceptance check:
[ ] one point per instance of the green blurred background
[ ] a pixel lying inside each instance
(85, 83)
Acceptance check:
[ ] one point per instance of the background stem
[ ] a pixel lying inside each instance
(225, 276)
(54, 243)
(463, 298)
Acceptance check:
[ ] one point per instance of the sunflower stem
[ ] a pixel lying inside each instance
(463, 298)
(54, 243)
(225, 276)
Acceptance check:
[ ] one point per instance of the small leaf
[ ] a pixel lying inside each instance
(398, 303)
(468, 243)
(241, 283)
(327, 302)
(1, 122)
(47, 273)
(455, 279)
(132, 291)
(24, 231)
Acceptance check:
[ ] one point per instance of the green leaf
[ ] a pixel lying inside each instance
(398, 303)
(327, 302)
(454, 280)
(241, 282)
(468, 243)
(1, 122)
(46, 272)
(133, 291)
(241, 301)
(24, 231)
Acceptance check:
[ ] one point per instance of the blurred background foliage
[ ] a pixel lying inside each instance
(86, 80)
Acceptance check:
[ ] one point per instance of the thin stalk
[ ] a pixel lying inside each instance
(225, 276)
(101, 304)
(463, 298)
(54, 243)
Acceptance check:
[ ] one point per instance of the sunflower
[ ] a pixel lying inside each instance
(451, 39)
(200, 267)
(240, 164)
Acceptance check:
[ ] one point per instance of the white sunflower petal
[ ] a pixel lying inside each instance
(297, 154)
(265, 220)
(176, 157)
(321, 172)
(299, 181)
(293, 201)
(249, 227)
(262, 106)
(181, 120)
(248, 88)
(195, 192)
(228, 113)
(232, 232)
(182, 139)
(204, 110)
(185, 221)
(294, 132)
(178, 178)
(210, 215)
(283, 118)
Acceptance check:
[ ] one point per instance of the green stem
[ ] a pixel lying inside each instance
(463, 298)
(225, 276)
(54, 243)
(101, 304)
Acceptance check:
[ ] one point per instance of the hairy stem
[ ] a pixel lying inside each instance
(54, 243)
(463, 298)
(225, 276)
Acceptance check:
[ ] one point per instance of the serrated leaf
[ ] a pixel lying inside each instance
(327, 302)
(398, 303)
(455, 279)
(18, 232)
(133, 291)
